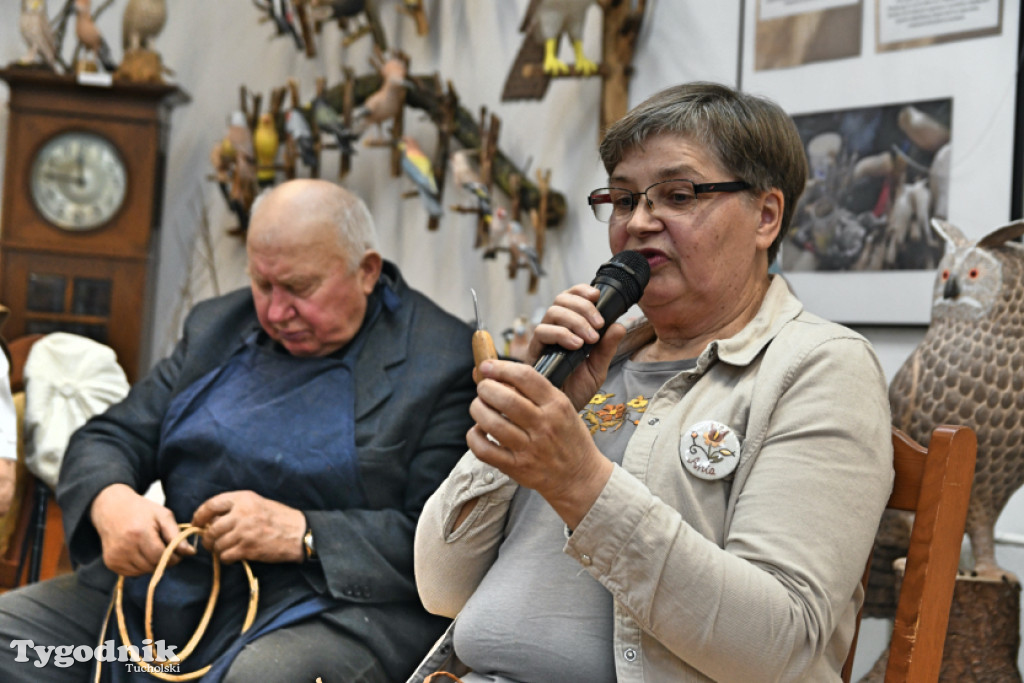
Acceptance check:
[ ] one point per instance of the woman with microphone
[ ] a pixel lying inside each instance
(698, 501)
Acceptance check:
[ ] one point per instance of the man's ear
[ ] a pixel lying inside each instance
(369, 269)
(772, 204)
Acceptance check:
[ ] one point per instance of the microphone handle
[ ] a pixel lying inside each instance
(557, 363)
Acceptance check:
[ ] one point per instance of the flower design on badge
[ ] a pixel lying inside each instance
(714, 438)
(709, 450)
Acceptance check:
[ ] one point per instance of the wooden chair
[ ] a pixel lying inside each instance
(32, 544)
(935, 484)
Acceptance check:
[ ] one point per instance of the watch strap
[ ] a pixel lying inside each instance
(308, 544)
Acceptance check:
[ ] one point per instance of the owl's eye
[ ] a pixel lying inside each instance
(973, 273)
(945, 274)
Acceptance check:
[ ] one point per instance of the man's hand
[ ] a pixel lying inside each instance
(134, 531)
(243, 525)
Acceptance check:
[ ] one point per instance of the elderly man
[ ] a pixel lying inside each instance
(301, 425)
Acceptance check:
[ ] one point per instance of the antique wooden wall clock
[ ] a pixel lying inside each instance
(82, 200)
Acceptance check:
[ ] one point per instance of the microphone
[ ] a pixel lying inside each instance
(621, 282)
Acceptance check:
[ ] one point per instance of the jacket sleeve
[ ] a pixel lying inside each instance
(451, 563)
(118, 446)
(765, 605)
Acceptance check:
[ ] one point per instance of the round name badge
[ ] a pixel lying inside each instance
(709, 450)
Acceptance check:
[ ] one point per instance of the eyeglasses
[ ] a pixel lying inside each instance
(666, 198)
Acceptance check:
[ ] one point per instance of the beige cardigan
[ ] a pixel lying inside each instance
(751, 577)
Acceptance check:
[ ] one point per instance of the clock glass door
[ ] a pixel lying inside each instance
(96, 298)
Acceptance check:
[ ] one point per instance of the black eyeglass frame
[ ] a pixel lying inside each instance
(698, 189)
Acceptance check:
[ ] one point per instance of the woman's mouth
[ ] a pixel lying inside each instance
(654, 257)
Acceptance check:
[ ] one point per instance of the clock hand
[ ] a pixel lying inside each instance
(80, 166)
(75, 178)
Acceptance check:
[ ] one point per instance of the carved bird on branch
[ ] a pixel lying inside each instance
(543, 25)
(90, 37)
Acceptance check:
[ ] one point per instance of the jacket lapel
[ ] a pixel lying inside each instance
(385, 347)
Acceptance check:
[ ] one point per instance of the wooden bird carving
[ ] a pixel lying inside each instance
(234, 164)
(468, 178)
(142, 21)
(299, 137)
(357, 17)
(286, 21)
(419, 169)
(326, 10)
(35, 29)
(90, 37)
(328, 120)
(265, 140)
(386, 101)
(543, 25)
(508, 235)
(969, 369)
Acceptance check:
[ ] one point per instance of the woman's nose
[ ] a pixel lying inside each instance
(643, 219)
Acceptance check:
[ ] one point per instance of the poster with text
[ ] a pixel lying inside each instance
(904, 24)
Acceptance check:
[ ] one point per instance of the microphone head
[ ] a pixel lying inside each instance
(630, 270)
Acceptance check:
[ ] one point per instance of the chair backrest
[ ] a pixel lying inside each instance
(935, 484)
(32, 543)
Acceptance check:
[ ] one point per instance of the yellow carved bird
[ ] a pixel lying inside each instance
(265, 141)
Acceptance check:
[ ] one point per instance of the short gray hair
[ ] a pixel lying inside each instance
(347, 212)
(751, 136)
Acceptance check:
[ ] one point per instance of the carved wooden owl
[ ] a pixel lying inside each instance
(35, 29)
(969, 369)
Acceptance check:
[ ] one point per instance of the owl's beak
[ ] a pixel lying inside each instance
(952, 289)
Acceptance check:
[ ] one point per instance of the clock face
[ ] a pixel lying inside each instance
(78, 180)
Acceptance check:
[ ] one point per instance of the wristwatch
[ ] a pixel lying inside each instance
(307, 543)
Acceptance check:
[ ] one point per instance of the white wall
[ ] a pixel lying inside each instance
(215, 47)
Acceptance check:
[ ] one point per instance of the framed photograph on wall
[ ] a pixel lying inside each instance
(877, 176)
(919, 122)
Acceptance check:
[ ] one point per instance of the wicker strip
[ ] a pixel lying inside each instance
(250, 615)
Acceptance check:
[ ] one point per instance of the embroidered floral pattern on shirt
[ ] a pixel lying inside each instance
(603, 414)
